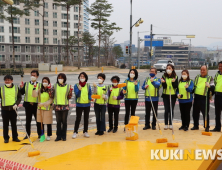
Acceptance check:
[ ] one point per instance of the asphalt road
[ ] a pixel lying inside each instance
(73, 78)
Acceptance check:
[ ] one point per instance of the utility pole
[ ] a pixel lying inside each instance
(138, 52)
(130, 46)
(151, 38)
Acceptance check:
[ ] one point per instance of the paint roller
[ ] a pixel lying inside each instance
(161, 140)
(94, 96)
(121, 85)
(34, 153)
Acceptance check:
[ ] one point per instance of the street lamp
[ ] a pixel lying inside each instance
(10, 2)
(140, 21)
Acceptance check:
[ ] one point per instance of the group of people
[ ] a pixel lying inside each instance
(40, 99)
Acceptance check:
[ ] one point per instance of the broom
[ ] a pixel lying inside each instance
(42, 136)
(172, 144)
(34, 153)
(121, 85)
(162, 140)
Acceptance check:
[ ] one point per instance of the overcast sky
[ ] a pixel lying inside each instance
(200, 17)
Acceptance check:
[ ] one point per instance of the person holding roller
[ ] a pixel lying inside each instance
(61, 93)
(218, 98)
(30, 103)
(115, 94)
(203, 85)
(170, 84)
(44, 112)
(185, 98)
(83, 98)
(100, 104)
(131, 94)
(10, 99)
(152, 84)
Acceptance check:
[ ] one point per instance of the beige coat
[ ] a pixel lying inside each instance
(46, 117)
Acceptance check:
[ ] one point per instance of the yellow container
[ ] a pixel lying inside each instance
(134, 120)
(131, 132)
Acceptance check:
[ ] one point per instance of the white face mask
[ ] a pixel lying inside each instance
(132, 75)
(33, 78)
(169, 71)
(100, 80)
(115, 84)
(8, 85)
(45, 84)
(82, 80)
(184, 76)
(60, 81)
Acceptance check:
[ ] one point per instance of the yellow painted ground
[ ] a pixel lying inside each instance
(112, 151)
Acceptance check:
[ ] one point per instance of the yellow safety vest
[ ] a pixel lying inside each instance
(218, 83)
(169, 83)
(28, 92)
(154, 92)
(183, 91)
(130, 90)
(200, 85)
(84, 96)
(101, 91)
(44, 97)
(61, 94)
(9, 95)
(115, 92)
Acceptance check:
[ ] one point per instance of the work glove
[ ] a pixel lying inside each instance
(146, 86)
(124, 91)
(186, 86)
(207, 85)
(35, 85)
(135, 82)
(71, 87)
(15, 107)
(178, 95)
(80, 87)
(173, 80)
(40, 105)
(162, 80)
(111, 88)
(104, 96)
(94, 84)
(114, 98)
(152, 79)
(22, 84)
(49, 86)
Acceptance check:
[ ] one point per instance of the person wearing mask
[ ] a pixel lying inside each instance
(218, 98)
(44, 112)
(169, 81)
(203, 85)
(61, 93)
(115, 94)
(185, 97)
(131, 94)
(10, 99)
(153, 84)
(30, 103)
(100, 104)
(83, 98)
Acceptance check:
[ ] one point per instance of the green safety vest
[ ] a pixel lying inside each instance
(84, 96)
(169, 84)
(130, 90)
(154, 92)
(183, 91)
(100, 92)
(61, 94)
(44, 97)
(200, 85)
(218, 83)
(28, 92)
(9, 95)
(115, 92)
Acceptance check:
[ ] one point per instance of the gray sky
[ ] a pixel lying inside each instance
(199, 17)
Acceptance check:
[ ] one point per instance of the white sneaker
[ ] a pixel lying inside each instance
(86, 135)
(48, 138)
(170, 127)
(166, 127)
(74, 135)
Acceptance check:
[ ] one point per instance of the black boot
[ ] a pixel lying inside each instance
(97, 133)
(181, 128)
(110, 129)
(215, 130)
(6, 141)
(16, 140)
(146, 127)
(101, 133)
(115, 130)
(194, 128)
(57, 139)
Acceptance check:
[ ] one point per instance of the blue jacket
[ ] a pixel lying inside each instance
(189, 89)
(78, 93)
(136, 88)
(156, 84)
